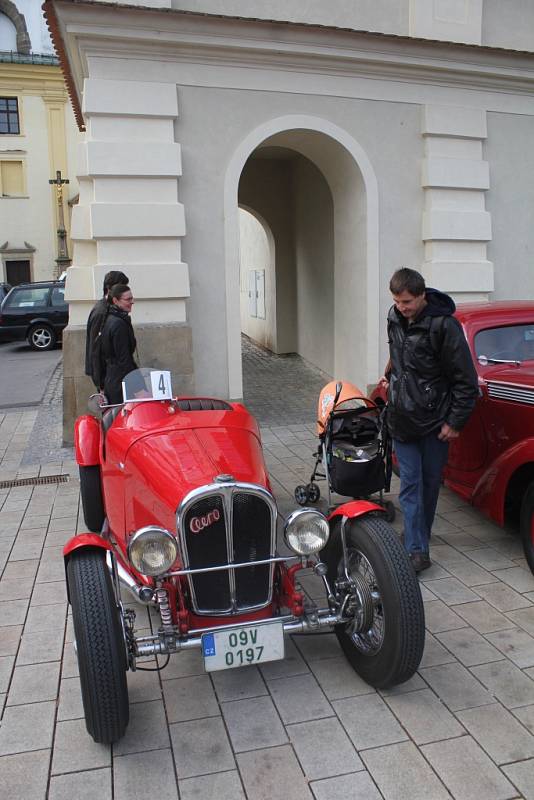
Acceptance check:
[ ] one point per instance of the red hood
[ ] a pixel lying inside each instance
(522, 374)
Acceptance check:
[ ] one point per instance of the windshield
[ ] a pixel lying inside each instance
(513, 343)
(147, 384)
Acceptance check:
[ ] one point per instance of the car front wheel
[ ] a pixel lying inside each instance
(42, 337)
(385, 635)
(526, 525)
(100, 646)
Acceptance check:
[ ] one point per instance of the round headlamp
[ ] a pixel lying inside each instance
(152, 550)
(306, 531)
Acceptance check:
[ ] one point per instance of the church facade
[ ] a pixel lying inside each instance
(254, 168)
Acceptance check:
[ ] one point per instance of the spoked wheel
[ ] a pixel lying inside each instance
(314, 493)
(92, 502)
(301, 494)
(526, 525)
(385, 637)
(100, 646)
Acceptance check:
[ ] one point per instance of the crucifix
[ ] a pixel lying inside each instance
(62, 260)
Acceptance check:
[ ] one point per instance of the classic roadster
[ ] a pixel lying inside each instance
(177, 500)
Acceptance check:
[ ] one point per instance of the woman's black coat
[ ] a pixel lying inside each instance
(118, 346)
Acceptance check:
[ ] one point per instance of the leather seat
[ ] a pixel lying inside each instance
(202, 404)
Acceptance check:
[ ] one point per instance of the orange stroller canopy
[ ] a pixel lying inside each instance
(350, 397)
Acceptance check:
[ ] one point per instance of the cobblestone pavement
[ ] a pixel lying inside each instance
(306, 727)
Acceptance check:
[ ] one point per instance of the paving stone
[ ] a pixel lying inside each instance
(51, 569)
(222, 786)
(25, 551)
(467, 771)
(10, 639)
(147, 730)
(81, 785)
(438, 617)
(292, 664)
(253, 724)
(455, 686)
(238, 684)
(523, 617)
(489, 558)
(75, 750)
(327, 737)
(314, 647)
(518, 578)
(508, 683)
(521, 776)
(434, 652)
(413, 684)
(526, 716)
(459, 539)
(34, 683)
(190, 698)
(425, 718)
(142, 686)
(338, 679)
(368, 721)
(499, 733)
(469, 573)
(200, 747)
(70, 700)
(483, 617)
(516, 644)
(26, 728)
(299, 699)
(144, 775)
(15, 588)
(46, 618)
(45, 594)
(272, 773)
(358, 786)
(469, 647)
(70, 663)
(13, 612)
(401, 772)
(450, 590)
(18, 781)
(503, 597)
(21, 569)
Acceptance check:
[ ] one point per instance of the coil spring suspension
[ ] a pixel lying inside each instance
(162, 599)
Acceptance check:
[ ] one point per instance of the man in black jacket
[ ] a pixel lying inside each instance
(432, 388)
(97, 315)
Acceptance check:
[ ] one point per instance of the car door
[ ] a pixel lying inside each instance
(24, 305)
(59, 309)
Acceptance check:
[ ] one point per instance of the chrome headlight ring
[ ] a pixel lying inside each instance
(152, 550)
(306, 531)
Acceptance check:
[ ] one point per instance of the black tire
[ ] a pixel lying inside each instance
(42, 337)
(100, 646)
(314, 493)
(390, 650)
(92, 501)
(390, 510)
(526, 525)
(301, 494)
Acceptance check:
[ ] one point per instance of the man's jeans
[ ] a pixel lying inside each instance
(420, 464)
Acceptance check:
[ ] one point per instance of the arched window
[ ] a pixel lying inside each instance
(8, 34)
(10, 17)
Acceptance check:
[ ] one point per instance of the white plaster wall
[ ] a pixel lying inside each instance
(508, 23)
(257, 252)
(510, 199)
(372, 15)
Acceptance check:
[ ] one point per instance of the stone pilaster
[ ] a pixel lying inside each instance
(456, 225)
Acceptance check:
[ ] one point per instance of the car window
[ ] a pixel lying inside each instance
(58, 296)
(28, 298)
(507, 343)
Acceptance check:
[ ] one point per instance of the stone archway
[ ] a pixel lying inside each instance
(352, 182)
(11, 12)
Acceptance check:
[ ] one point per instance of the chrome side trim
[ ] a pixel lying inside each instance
(511, 391)
(226, 492)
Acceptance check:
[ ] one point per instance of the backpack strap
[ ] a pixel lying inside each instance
(436, 335)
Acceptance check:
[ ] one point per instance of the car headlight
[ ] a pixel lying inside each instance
(152, 550)
(306, 531)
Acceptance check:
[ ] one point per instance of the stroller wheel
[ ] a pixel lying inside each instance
(301, 494)
(390, 511)
(314, 492)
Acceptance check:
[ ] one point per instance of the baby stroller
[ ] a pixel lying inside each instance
(354, 448)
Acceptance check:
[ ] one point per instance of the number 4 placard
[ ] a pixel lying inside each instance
(161, 385)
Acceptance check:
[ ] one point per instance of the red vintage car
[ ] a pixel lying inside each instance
(177, 500)
(491, 464)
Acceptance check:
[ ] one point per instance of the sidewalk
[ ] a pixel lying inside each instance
(303, 728)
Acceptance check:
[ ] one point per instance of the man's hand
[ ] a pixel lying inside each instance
(447, 433)
(383, 383)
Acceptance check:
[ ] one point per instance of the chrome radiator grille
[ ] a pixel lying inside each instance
(510, 391)
(227, 524)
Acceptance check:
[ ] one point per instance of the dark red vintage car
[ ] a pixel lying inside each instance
(491, 464)
(177, 498)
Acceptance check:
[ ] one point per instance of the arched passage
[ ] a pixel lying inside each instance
(11, 12)
(349, 314)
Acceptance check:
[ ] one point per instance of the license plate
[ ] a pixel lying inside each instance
(238, 647)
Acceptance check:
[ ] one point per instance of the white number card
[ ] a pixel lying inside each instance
(161, 385)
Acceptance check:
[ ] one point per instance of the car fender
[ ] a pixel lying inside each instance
(83, 541)
(490, 492)
(354, 509)
(87, 441)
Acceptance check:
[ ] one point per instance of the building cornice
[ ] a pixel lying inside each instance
(46, 81)
(80, 28)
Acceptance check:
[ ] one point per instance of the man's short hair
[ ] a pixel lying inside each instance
(407, 280)
(113, 277)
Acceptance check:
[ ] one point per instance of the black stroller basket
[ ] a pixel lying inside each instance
(355, 453)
